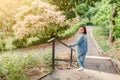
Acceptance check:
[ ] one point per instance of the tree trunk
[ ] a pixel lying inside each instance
(112, 23)
(111, 38)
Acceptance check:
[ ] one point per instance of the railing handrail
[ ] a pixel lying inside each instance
(52, 39)
(53, 51)
(65, 45)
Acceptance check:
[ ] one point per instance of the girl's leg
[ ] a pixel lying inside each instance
(79, 59)
(82, 59)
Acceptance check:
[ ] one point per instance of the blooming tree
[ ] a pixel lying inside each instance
(38, 18)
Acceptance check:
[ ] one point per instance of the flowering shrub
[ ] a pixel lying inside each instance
(39, 19)
(73, 21)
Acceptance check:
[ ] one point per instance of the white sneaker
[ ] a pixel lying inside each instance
(80, 69)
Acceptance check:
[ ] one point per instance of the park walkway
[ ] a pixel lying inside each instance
(97, 67)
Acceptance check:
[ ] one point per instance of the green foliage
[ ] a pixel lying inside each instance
(71, 14)
(81, 9)
(69, 5)
(116, 28)
(2, 44)
(103, 45)
(48, 56)
(116, 31)
(70, 31)
(13, 67)
(101, 39)
(40, 19)
(32, 59)
(104, 29)
(33, 40)
(85, 11)
(15, 73)
(9, 43)
(19, 43)
(103, 14)
(91, 12)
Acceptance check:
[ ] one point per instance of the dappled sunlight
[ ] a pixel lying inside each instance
(9, 7)
(98, 57)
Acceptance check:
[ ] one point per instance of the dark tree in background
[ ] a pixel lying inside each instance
(68, 6)
(112, 21)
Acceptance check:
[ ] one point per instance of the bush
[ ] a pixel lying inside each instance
(70, 31)
(9, 43)
(19, 43)
(81, 9)
(2, 45)
(105, 30)
(33, 40)
(70, 14)
(116, 31)
(91, 12)
(14, 67)
(48, 56)
(103, 13)
(40, 19)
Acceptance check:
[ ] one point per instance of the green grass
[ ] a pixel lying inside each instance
(103, 45)
(101, 39)
(114, 50)
(16, 66)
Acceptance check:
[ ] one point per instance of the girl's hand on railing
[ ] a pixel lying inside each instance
(70, 45)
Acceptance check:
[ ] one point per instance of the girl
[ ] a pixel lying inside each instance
(82, 47)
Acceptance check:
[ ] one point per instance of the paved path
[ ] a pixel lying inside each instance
(61, 48)
(96, 66)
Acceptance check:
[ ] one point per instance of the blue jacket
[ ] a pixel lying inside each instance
(82, 46)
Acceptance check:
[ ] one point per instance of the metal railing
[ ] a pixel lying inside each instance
(53, 40)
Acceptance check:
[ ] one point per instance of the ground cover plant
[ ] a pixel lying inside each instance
(21, 66)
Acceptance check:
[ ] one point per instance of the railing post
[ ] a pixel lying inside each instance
(53, 54)
(53, 51)
(71, 57)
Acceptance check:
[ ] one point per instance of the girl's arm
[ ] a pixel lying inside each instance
(79, 41)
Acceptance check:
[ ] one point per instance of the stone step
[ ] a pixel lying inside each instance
(86, 74)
